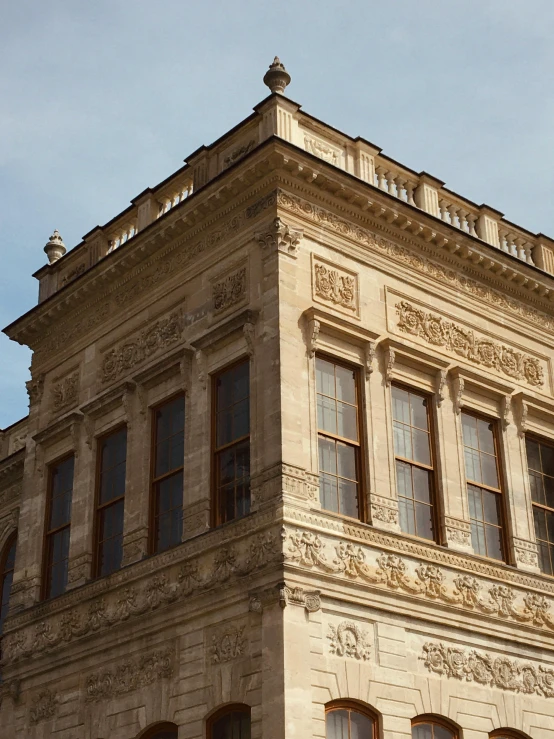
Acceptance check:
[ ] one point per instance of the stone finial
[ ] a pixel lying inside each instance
(55, 248)
(277, 77)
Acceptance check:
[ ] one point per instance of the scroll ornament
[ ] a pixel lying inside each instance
(230, 290)
(461, 341)
(130, 675)
(347, 639)
(334, 287)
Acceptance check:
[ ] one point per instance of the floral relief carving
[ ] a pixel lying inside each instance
(35, 388)
(321, 149)
(238, 153)
(65, 392)
(458, 536)
(461, 341)
(44, 706)
(159, 335)
(392, 571)
(347, 639)
(384, 514)
(130, 675)
(308, 599)
(230, 290)
(228, 645)
(335, 286)
(485, 669)
(278, 236)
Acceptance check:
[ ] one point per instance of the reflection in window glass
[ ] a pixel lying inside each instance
(232, 443)
(414, 467)
(337, 421)
(234, 724)
(58, 525)
(540, 461)
(483, 486)
(109, 516)
(432, 731)
(347, 723)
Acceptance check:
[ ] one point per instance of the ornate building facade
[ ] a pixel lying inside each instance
(288, 468)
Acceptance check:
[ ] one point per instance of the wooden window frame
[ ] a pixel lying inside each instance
(358, 445)
(433, 719)
(545, 442)
(154, 481)
(508, 734)
(224, 711)
(431, 423)
(97, 506)
(153, 731)
(361, 708)
(501, 490)
(45, 575)
(3, 559)
(215, 450)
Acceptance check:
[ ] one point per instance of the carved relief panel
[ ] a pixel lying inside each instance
(335, 286)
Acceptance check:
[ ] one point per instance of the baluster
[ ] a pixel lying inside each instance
(519, 250)
(410, 193)
(471, 224)
(453, 212)
(390, 181)
(527, 251)
(400, 182)
(443, 210)
(381, 181)
(462, 217)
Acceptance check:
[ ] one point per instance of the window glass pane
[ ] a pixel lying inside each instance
(550, 525)
(224, 393)
(406, 510)
(361, 727)
(489, 474)
(346, 458)
(547, 457)
(424, 521)
(469, 428)
(475, 502)
(533, 456)
(234, 725)
(549, 491)
(419, 411)
(539, 516)
(224, 423)
(345, 384)
(537, 491)
(404, 479)
(491, 507)
(336, 725)
(241, 381)
(325, 377)
(348, 498)
(400, 405)
(422, 485)
(241, 418)
(473, 466)
(442, 733)
(326, 414)
(545, 558)
(421, 451)
(494, 542)
(402, 440)
(328, 492)
(327, 455)
(478, 538)
(60, 510)
(113, 451)
(486, 436)
(346, 421)
(422, 731)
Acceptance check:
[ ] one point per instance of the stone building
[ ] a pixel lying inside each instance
(288, 468)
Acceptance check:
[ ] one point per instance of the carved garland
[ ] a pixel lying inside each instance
(334, 287)
(306, 549)
(484, 352)
(228, 645)
(65, 393)
(130, 675)
(230, 290)
(347, 639)
(484, 669)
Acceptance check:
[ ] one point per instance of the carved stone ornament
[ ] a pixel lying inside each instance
(181, 579)
(11, 688)
(44, 706)
(35, 388)
(347, 639)
(390, 359)
(384, 513)
(321, 150)
(159, 335)
(314, 327)
(65, 392)
(309, 599)
(370, 353)
(229, 290)
(238, 153)
(346, 559)
(458, 536)
(132, 674)
(485, 669)
(280, 237)
(336, 286)
(440, 383)
(228, 644)
(73, 273)
(435, 330)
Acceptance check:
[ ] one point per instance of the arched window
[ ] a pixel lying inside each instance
(7, 562)
(230, 722)
(433, 727)
(349, 720)
(164, 730)
(508, 734)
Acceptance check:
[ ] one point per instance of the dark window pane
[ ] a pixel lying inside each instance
(539, 516)
(421, 451)
(400, 405)
(406, 509)
(494, 542)
(442, 733)
(325, 377)
(224, 422)
(550, 525)
(547, 457)
(224, 391)
(176, 451)
(491, 507)
(361, 727)
(404, 479)
(235, 725)
(537, 491)
(533, 456)
(478, 538)
(241, 419)
(346, 458)
(348, 498)
(489, 475)
(545, 561)
(486, 436)
(422, 731)
(346, 385)
(419, 411)
(60, 510)
(549, 490)
(424, 521)
(422, 485)
(328, 493)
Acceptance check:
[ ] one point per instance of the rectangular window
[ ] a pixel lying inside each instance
(414, 462)
(483, 486)
(338, 437)
(167, 473)
(232, 443)
(110, 502)
(540, 460)
(58, 524)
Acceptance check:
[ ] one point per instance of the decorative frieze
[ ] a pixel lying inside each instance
(230, 290)
(335, 285)
(454, 338)
(65, 392)
(322, 150)
(308, 599)
(132, 674)
(157, 336)
(347, 639)
(458, 532)
(346, 559)
(238, 153)
(228, 644)
(384, 510)
(44, 706)
(484, 669)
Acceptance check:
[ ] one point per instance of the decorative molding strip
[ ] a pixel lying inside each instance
(65, 392)
(159, 335)
(229, 290)
(196, 574)
(44, 706)
(435, 330)
(347, 639)
(228, 644)
(130, 675)
(307, 549)
(334, 285)
(485, 669)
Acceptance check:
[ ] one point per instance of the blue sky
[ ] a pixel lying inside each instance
(100, 100)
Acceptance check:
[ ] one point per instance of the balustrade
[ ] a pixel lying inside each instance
(179, 192)
(395, 182)
(121, 236)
